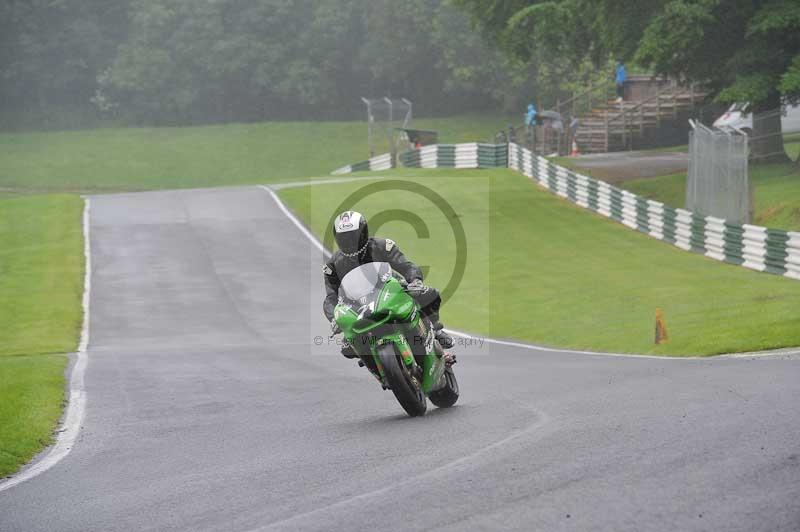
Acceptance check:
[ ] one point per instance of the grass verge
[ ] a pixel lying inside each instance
(542, 270)
(41, 284)
(31, 398)
(110, 160)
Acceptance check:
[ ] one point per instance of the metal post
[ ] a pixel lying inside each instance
(370, 120)
(391, 109)
(690, 172)
(713, 166)
(389, 135)
(410, 114)
(751, 208)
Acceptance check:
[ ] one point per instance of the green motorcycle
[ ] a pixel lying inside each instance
(383, 324)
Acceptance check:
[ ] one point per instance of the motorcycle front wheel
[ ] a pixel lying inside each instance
(447, 396)
(406, 388)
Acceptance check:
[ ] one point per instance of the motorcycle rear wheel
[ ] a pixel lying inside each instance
(405, 387)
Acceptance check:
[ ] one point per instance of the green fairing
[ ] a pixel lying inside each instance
(397, 316)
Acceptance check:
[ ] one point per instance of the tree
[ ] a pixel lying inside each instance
(472, 66)
(187, 61)
(201, 61)
(51, 51)
(743, 50)
(198, 60)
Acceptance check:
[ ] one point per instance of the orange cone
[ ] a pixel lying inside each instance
(575, 151)
(661, 328)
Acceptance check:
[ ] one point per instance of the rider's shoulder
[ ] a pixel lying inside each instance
(386, 245)
(329, 268)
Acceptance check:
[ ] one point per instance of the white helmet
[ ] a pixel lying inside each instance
(351, 233)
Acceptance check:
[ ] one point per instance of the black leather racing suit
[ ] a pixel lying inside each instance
(379, 250)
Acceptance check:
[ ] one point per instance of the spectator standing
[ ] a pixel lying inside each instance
(620, 78)
(530, 122)
(530, 117)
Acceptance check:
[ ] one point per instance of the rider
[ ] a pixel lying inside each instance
(356, 248)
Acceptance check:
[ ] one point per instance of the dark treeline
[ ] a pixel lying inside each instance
(205, 61)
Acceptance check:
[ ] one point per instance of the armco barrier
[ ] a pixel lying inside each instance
(754, 247)
(381, 162)
(472, 155)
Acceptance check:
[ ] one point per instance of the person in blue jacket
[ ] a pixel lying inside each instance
(530, 118)
(621, 76)
(530, 122)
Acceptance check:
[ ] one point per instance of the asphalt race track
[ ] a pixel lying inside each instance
(210, 408)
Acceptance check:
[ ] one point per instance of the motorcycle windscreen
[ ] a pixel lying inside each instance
(363, 280)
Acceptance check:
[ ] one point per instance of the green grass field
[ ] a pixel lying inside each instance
(543, 270)
(41, 284)
(108, 160)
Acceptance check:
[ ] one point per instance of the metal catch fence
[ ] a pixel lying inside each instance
(718, 183)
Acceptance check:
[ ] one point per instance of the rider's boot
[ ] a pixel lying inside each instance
(445, 340)
(349, 352)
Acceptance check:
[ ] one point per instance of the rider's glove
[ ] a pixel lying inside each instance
(335, 329)
(416, 288)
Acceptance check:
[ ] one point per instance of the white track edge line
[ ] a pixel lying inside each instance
(315, 182)
(76, 405)
(296, 221)
(87, 275)
(534, 347)
(759, 354)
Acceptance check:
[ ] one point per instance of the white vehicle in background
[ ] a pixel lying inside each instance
(739, 118)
